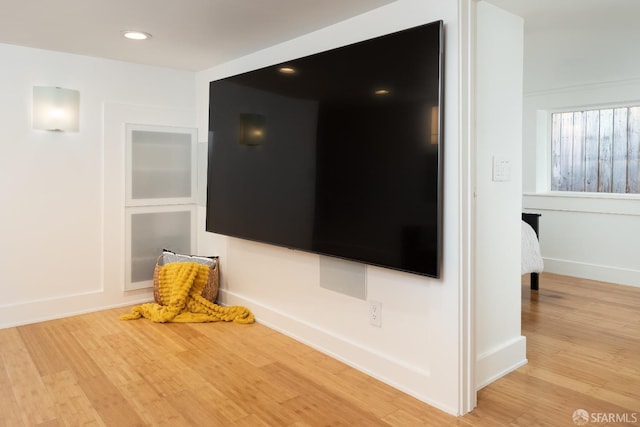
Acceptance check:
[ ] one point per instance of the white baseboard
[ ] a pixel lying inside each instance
(603, 273)
(28, 312)
(498, 362)
(409, 379)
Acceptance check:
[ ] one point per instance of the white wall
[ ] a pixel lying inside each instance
(63, 221)
(417, 347)
(500, 346)
(581, 235)
(61, 193)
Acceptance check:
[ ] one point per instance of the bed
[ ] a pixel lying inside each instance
(531, 262)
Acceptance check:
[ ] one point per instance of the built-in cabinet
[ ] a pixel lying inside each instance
(160, 197)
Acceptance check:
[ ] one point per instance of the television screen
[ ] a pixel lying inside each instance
(336, 153)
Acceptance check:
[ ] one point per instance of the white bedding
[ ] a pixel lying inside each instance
(531, 258)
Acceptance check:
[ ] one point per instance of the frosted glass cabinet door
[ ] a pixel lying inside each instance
(152, 231)
(160, 165)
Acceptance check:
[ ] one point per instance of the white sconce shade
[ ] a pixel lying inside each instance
(55, 109)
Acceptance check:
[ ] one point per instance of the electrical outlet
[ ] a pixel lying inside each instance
(375, 313)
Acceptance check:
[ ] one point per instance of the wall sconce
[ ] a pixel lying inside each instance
(55, 109)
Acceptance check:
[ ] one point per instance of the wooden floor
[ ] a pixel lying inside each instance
(583, 342)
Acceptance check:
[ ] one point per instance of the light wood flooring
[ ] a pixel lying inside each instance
(583, 340)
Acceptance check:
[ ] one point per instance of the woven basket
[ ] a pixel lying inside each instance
(210, 291)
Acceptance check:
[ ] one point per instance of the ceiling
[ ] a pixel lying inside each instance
(545, 15)
(186, 34)
(198, 34)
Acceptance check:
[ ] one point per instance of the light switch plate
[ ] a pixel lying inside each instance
(501, 169)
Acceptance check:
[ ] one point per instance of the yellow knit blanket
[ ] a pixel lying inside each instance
(180, 285)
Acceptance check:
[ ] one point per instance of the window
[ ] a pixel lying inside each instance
(596, 150)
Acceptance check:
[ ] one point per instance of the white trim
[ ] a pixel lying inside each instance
(584, 194)
(129, 212)
(543, 150)
(51, 298)
(114, 117)
(336, 346)
(560, 201)
(572, 108)
(466, 163)
(82, 303)
(490, 364)
(586, 270)
(129, 199)
(582, 87)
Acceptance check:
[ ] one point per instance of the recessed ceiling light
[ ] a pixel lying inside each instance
(136, 35)
(382, 92)
(287, 70)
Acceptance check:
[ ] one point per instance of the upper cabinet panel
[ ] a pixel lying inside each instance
(160, 167)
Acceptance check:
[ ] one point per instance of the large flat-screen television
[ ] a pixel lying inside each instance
(337, 153)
